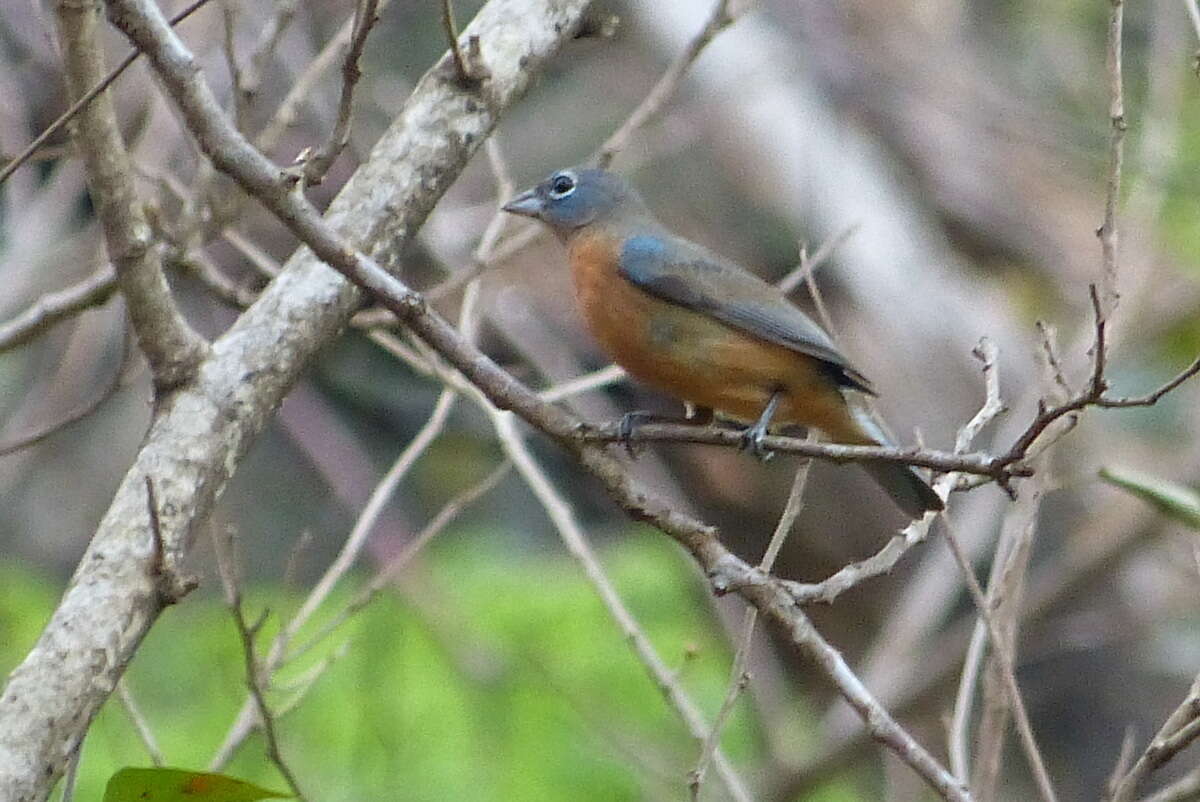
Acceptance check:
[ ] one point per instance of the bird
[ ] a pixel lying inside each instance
(682, 319)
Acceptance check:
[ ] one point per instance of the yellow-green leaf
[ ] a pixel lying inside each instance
(179, 785)
(1174, 500)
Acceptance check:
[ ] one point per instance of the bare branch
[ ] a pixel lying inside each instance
(366, 14)
(1150, 399)
(809, 265)
(739, 677)
(29, 439)
(720, 19)
(388, 573)
(57, 306)
(1177, 732)
(337, 47)
(577, 544)
(140, 724)
(1116, 114)
(198, 439)
(1193, 14)
(1184, 789)
(451, 28)
(171, 347)
(254, 675)
(979, 464)
(87, 97)
(1093, 394)
(1005, 585)
(1001, 647)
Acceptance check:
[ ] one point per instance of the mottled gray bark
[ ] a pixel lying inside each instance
(202, 429)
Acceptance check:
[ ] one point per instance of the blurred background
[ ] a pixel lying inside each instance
(956, 151)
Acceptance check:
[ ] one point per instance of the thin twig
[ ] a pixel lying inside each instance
(1185, 789)
(577, 544)
(56, 306)
(451, 29)
(595, 380)
(255, 677)
(1093, 394)
(387, 574)
(739, 677)
(1010, 560)
(348, 555)
(1107, 232)
(172, 347)
(84, 99)
(1177, 732)
(467, 65)
(980, 464)
(303, 87)
(1001, 648)
(666, 86)
(72, 773)
(140, 724)
(366, 14)
(886, 558)
(808, 266)
(29, 439)
(246, 88)
(1152, 398)
(1124, 760)
(1048, 336)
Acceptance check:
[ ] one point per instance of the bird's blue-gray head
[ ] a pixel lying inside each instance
(578, 196)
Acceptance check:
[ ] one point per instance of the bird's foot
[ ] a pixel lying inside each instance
(752, 441)
(752, 437)
(629, 422)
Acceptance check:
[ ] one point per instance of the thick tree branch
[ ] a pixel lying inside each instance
(200, 433)
(171, 347)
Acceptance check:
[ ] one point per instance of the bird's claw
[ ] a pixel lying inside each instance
(629, 422)
(752, 441)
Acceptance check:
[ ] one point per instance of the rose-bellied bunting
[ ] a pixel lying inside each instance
(680, 318)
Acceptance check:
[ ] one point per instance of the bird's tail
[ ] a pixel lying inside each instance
(906, 487)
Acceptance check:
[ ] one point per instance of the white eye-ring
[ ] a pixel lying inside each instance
(562, 185)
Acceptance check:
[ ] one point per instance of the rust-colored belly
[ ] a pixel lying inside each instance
(696, 358)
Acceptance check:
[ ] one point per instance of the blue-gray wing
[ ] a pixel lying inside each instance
(682, 273)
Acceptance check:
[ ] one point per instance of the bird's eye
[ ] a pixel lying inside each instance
(562, 185)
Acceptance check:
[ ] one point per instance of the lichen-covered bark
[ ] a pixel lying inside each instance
(201, 430)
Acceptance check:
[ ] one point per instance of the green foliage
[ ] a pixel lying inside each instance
(496, 674)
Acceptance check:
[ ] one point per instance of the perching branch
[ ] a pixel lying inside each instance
(1000, 469)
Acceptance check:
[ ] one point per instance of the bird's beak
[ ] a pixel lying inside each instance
(527, 204)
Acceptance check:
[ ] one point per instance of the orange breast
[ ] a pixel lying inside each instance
(696, 358)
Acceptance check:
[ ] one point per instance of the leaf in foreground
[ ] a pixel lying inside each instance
(180, 785)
